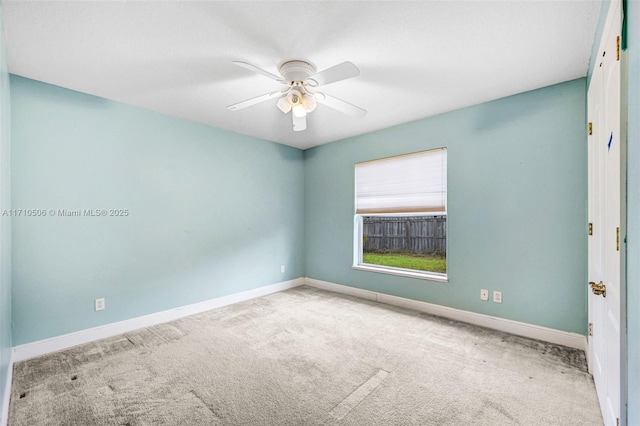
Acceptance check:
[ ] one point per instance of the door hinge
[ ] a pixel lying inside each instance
(618, 48)
(590, 228)
(590, 329)
(590, 127)
(618, 239)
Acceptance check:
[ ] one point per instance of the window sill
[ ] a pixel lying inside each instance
(431, 276)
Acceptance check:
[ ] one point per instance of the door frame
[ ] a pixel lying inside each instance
(610, 17)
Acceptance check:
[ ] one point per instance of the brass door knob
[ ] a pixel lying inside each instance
(598, 289)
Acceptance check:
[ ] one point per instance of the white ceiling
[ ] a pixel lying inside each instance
(417, 59)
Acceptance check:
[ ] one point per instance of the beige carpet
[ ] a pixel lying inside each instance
(307, 357)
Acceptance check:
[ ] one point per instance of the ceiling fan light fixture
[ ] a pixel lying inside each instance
(300, 97)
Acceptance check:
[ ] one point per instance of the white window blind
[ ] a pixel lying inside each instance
(405, 184)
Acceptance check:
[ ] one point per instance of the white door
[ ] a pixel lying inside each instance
(604, 218)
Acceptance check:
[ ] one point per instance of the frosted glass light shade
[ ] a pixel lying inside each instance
(284, 105)
(309, 103)
(299, 111)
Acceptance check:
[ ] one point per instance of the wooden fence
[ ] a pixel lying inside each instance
(413, 234)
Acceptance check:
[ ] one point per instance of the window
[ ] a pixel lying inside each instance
(401, 215)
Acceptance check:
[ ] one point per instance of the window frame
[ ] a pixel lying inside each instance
(358, 263)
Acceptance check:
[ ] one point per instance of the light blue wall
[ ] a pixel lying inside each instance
(516, 207)
(211, 212)
(633, 215)
(5, 221)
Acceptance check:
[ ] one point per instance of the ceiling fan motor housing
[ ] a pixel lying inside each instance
(294, 71)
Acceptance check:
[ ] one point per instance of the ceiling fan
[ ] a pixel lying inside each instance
(300, 96)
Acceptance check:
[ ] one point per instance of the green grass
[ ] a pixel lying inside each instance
(407, 261)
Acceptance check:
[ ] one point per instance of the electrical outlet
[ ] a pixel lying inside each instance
(100, 304)
(484, 294)
(497, 296)
(282, 269)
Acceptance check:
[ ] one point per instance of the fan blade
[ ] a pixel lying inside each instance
(299, 123)
(335, 73)
(340, 105)
(260, 71)
(256, 100)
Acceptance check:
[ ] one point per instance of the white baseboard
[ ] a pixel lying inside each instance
(65, 341)
(54, 344)
(4, 415)
(551, 335)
